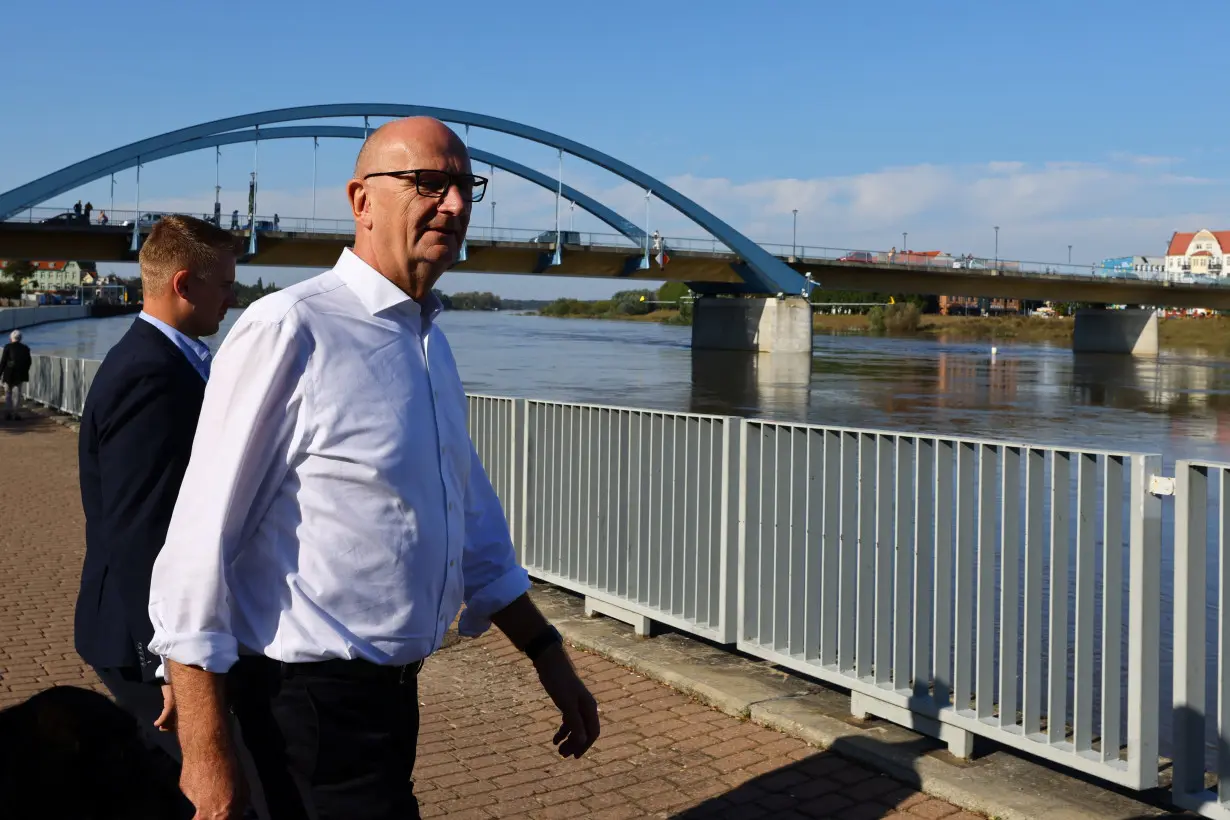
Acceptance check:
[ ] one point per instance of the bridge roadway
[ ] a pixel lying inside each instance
(603, 256)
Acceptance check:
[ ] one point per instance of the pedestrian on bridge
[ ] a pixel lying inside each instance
(14, 373)
(335, 516)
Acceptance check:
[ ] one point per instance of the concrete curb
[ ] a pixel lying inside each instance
(1000, 784)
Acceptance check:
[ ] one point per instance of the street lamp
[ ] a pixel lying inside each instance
(905, 236)
(572, 215)
(1069, 254)
(493, 220)
(996, 247)
(794, 236)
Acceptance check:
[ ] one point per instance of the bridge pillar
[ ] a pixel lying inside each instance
(762, 325)
(1115, 331)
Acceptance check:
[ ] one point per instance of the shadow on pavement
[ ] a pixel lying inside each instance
(823, 785)
(72, 753)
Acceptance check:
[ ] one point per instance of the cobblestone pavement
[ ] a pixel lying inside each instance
(484, 749)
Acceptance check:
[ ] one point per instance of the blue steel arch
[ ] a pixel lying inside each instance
(760, 269)
(586, 202)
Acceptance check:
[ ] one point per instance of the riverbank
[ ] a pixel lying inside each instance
(1209, 333)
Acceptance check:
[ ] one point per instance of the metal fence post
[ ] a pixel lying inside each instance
(1190, 534)
(739, 493)
(525, 455)
(1144, 624)
(734, 485)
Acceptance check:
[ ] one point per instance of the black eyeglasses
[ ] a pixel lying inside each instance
(435, 184)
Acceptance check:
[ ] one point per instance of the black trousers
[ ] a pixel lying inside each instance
(327, 744)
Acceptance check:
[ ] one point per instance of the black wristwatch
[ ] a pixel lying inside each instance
(543, 641)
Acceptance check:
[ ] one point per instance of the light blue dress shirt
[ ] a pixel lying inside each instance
(334, 505)
(197, 351)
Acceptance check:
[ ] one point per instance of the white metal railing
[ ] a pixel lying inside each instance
(61, 383)
(1201, 716)
(634, 509)
(962, 587)
(957, 585)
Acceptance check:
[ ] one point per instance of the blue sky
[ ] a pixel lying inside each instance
(1099, 124)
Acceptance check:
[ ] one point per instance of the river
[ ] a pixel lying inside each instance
(1177, 405)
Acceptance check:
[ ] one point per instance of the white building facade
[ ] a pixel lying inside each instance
(1203, 253)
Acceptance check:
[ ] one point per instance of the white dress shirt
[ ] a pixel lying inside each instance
(334, 506)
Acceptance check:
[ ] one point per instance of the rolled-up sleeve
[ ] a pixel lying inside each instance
(493, 578)
(238, 457)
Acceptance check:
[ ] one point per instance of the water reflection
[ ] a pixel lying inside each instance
(748, 384)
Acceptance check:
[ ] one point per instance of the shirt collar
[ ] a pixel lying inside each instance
(376, 292)
(181, 340)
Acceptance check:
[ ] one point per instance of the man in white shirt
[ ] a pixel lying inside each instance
(334, 517)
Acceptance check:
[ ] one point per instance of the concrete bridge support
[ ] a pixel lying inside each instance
(762, 325)
(1115, 331)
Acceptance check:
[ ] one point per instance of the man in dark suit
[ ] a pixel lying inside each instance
(136, 436)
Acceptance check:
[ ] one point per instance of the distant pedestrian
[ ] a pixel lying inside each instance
(657, 242)
(235, 220)
(14, 372)
(892, 255)
(276, 222)
(77, 208)
(89, 207)
(102, 218)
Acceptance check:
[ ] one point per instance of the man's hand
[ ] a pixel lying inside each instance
(166, 721)
(577, 706)
(214, 787)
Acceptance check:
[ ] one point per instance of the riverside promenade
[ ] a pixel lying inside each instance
(484, 747)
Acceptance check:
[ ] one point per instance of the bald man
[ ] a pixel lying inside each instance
(334, 517)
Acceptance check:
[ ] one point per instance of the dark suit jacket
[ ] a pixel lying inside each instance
(136, 436)
(15, 363)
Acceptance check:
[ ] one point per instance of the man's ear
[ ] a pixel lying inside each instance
(179, 283)
(359, 203)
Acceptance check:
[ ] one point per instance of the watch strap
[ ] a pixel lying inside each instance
(543, 641)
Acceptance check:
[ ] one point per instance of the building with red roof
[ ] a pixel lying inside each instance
(1204, 253)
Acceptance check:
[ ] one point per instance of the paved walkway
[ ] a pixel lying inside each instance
(484, 750)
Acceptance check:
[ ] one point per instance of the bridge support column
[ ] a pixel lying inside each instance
(1115, 331)
(762, 325)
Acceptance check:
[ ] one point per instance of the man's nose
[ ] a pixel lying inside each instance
(453, 202)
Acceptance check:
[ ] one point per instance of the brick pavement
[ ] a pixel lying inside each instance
(484, 750)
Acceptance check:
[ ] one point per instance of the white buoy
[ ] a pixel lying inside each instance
(994, 350)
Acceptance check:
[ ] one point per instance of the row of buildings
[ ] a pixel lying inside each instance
(59, 280)
(1191, 258)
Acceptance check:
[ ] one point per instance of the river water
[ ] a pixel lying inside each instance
(1177, 405)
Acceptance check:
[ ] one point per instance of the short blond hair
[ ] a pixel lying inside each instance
(182, 243)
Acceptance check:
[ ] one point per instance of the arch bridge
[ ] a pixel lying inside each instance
(741, 266)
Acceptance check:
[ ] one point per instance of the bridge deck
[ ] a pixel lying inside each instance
(24, 240)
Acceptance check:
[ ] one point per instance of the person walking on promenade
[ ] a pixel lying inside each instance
(335, 515)
(135, 440)
(15, 364)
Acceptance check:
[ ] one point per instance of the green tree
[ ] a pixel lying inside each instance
(673, 291)
(633, 302)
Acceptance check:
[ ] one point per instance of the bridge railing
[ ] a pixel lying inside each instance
(963, 587)
(800, 253)
(1202, 638)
